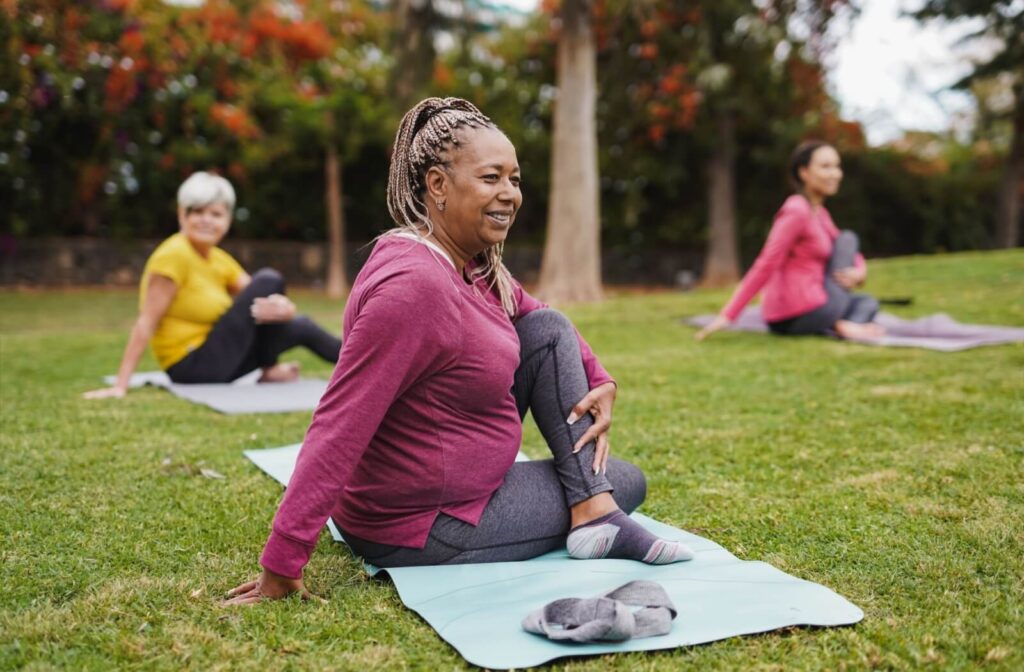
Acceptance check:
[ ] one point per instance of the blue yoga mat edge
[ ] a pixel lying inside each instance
(713, 593)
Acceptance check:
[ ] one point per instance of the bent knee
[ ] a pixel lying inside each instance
(870, 307)
(629, 483)
(848, 238)
(303, 321)
(269, 280)
(543, 323)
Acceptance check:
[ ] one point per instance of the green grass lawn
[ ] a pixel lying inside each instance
(893, 476)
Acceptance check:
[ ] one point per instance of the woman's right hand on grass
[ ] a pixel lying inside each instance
(720, 322)
(114, 392)
(268, 586)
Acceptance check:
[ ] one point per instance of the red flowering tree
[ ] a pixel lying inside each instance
(112, 102)
(706, 75)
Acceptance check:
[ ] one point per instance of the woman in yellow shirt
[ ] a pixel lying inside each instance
(207, 320)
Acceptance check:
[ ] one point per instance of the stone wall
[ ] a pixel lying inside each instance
(96, 261)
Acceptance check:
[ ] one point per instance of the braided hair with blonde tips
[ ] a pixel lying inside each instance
(426, 137)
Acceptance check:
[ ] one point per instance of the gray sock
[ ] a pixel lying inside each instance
(616, 535)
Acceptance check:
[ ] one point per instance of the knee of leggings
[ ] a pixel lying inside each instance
(629, 482)
(269, 280)
(871, 307)
(544, 324)
(849, 238)
(303, 323)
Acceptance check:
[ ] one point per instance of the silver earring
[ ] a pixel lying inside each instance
(440, 205)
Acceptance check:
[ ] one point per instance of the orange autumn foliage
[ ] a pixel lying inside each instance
(808, 80)
(235, 120)
(132, 42)
(90, 180)
(121, 5)
(443, 77)
(300, 40)
(120, 90)
(221, 20)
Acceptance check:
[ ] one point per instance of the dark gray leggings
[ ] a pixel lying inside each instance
(529, 514)
(236, 345)
(841, 303)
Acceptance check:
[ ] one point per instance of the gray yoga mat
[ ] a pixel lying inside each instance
(243, 395)
(934, 332)
(478, 608)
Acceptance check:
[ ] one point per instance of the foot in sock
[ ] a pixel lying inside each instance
(616, 535)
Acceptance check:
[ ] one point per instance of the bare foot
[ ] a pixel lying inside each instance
(859, 332)
(282, 372)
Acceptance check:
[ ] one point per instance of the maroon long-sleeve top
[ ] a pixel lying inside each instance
(791, 265)
(418, 418)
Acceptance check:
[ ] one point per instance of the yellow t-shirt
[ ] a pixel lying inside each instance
(202, 296)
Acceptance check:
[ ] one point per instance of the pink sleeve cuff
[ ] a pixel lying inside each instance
(597, 376)
(733, 309)
(285, 556)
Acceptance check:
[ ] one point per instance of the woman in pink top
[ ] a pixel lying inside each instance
(412, 448)
(807, 267)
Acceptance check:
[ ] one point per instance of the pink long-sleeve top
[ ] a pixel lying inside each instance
(791, 265)
(418, 418)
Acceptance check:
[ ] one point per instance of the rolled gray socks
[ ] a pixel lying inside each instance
(636, 609)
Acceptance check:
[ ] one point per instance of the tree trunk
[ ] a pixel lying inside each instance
(571, 266)
(337, 283)
(413, 48)
(721, 265)
(1009, 212)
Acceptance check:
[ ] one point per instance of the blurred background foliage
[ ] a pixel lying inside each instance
(106, 105)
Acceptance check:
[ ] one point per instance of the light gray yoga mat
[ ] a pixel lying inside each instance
(243, 395)
(478, 608)
(934, 332)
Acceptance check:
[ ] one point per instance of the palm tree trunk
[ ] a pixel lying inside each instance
(571, 266)
(337, 283)
(413, 47)
(1009, 212)
(721, 265)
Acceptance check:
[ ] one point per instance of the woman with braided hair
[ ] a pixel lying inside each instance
(412, 449)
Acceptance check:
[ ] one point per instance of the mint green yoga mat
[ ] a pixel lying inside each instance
(478, 608)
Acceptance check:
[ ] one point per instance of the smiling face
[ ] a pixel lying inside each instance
(480, 190)
(823, 173)
(206, 225)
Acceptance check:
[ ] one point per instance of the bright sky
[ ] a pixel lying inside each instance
(890, 73)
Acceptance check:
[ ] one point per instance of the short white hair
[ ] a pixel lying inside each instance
(202, 189)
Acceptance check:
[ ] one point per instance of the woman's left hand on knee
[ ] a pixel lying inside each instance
(598, 403)
(272, 309)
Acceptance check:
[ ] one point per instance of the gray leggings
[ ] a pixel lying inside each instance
(841, 303)
(237, 344)
(529, 514)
